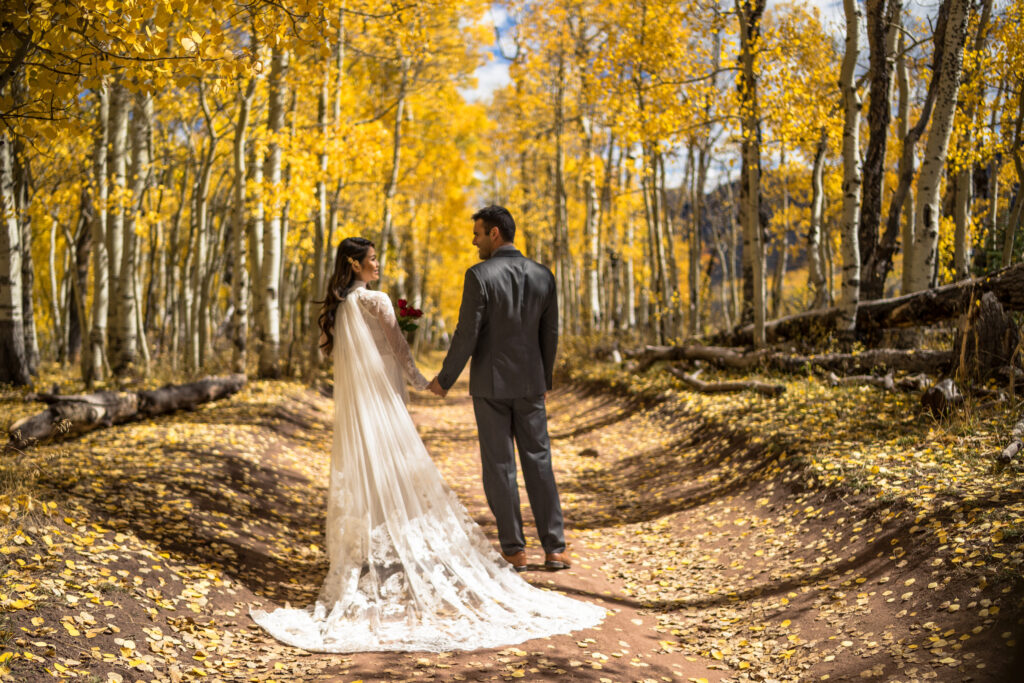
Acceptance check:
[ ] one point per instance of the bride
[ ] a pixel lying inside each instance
(409, 569)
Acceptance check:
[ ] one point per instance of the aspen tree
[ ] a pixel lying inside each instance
(749, 13)
(269, 365)
(14, 366)
(923, 258)
(882, 32)
(850, 291)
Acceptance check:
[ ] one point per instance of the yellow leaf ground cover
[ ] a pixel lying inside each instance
(731, 538)
(746, 516)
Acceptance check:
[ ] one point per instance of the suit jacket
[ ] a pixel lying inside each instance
(508, 323)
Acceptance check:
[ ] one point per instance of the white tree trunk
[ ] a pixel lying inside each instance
(14, 367)
(199, 312)
(563, 262)
(963, 195)
(391, 184)
(815, 269)
(124, 330)
(94, 363)
(924, 260)
(270, 353)
(56, 297)
(749, 14)
(629, 274)
(592, 291)
(696, 246)
(907, 231)
(117, 167)
(850, 289)
(239, 268)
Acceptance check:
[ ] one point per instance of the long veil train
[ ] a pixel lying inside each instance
(409, 569)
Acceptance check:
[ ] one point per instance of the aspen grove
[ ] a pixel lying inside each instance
(174, 175)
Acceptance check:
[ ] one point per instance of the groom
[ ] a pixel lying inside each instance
(508, 323)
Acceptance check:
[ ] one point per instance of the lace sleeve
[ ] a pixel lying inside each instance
(380, 305)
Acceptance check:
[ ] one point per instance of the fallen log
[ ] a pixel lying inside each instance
(80, 413)
(888, 382)
(919, 308)
(865, 362)
(726, 387)
(719, 355)
(1016, 445)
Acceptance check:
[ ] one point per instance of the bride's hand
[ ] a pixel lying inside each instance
(435, 387)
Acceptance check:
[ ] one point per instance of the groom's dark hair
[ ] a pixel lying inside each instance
(497, 217)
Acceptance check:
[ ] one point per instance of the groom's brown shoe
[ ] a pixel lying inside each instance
(517, 560)
(555, 561)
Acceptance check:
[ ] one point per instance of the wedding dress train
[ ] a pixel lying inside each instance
(409, 569)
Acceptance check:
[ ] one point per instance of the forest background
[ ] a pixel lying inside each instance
(798, 201)
(175, 175)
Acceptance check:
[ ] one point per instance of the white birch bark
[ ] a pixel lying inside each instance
(591, 256)
(815, 268)
(924, 259)
(561, 218)
(391, 184)
(22, 175)
(270, 362)
(14, 367)
(94, 362)
(239, 327)
(125, 330)
(696, 246)
(55, 293)
(903, 107)
(255, 239)
(850, 250)
(749, 14)
(629, 274)
(117, 167)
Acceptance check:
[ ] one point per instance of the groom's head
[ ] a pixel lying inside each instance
(493, 227)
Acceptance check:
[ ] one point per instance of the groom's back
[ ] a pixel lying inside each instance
(515, 350)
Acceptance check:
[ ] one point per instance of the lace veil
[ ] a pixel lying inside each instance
(409, 569)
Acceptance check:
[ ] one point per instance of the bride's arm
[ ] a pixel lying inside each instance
(385, 314)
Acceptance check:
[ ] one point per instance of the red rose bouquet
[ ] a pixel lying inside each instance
(407, 316)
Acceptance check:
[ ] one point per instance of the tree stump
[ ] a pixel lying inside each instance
(985, 344)
(943, 398)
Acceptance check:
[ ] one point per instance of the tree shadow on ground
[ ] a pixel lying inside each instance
(607, 410)
(210, 502)
(669, 478)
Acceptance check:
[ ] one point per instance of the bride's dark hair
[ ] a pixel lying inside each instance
(351, 249)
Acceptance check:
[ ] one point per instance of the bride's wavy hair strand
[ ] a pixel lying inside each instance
(350, 249)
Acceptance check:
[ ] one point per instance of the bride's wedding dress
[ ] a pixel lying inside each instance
(409, 569)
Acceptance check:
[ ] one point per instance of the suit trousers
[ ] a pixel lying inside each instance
(499, 421)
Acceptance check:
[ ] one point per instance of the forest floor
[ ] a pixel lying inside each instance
(833, 534)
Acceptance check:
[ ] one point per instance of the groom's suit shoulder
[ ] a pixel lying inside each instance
(511, 261)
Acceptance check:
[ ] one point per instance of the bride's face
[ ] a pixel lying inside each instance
(369, 269)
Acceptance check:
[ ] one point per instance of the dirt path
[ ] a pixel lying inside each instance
(626, 647)
(714, 559)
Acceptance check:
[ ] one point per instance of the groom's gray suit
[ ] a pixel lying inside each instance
(508, 323)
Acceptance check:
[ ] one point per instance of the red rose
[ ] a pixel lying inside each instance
(402, 303)
(416, 313)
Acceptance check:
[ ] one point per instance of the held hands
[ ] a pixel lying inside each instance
(435, 388)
